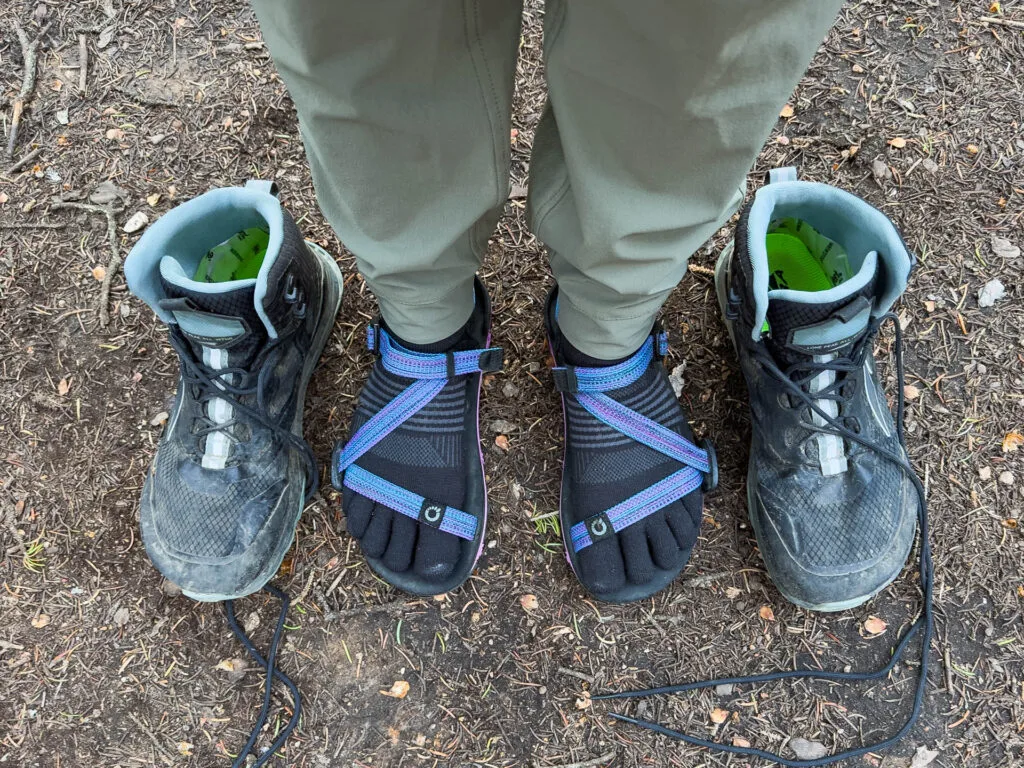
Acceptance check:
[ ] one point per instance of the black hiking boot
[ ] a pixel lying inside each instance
(249, 306)
(803, 289)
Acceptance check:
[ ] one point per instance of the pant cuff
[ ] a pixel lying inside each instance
(607, 338)
(425, 322)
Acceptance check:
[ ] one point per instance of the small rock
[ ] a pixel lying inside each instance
(808, 750)
(923, 756)
(985, 473)
(930, 165)
(510, 390)
(159, 419)
(676, 379)
(63, 116)
(724, 690)
(252, 623)
(879, 169)
(1004, 248)
(500, 426)
(990, 293)
(121, 616)
(169, 588)
(106, 192)
(156, 138)
(137, 221)
(1006, 478)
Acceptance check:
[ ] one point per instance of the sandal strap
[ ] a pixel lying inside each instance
(423, 365)
(589, 385)
(427, 511)
(635, 508)
(431, 372)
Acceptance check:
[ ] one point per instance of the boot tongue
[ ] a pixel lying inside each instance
(213, 316)
(805, 325)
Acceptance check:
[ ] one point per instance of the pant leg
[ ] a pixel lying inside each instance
(404, 108)
(657, 110)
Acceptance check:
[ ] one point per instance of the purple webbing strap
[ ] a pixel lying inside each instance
(389, 418)
(640, 505)
(589, 385)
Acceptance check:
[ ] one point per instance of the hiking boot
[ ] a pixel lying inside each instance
(802, 290)
(249, 306)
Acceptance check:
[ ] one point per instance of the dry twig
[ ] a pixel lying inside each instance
(83, 63)
(29, 51)
(24, 161)
(595, 763)
(115, 253)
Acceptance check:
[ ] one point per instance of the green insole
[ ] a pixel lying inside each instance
(792, 266)
(237, 258)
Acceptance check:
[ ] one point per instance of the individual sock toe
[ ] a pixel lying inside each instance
(680, 518)
(358, 510)
(378, 532)
(601, 566)
(436, 554)
(637, 555)
(665, 551)
(398, 556)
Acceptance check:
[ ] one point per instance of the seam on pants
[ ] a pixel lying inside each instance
(492, 106)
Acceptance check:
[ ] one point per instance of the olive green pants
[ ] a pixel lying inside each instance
(657, 109)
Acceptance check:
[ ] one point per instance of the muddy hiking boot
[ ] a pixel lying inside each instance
(803, 289)
(249, 306)
(633, 478)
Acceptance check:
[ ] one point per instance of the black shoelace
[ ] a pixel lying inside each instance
(923, 624)
(199, 376)
(217, 384)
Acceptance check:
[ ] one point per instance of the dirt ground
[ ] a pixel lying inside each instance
(914, 104)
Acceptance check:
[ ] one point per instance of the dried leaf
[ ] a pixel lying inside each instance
(40, 621)
(719, 716)
(99, 273)
(929, 305)
(529, 602)
(874, 626)
(185, 749)
(1001, 247)
(1012, 442)
(583, 702)
(228, 665)
(787, 111)
(1010, 522)
(393, 734)
(398, 690)
(502, 442)
(739, 741)
(732, 592)
(766, 613)
(153, 199)
(985, 473)
(973, 149)
(3, 198)
(115, 134)
(911, 392)
(898, 142)
(63, 386)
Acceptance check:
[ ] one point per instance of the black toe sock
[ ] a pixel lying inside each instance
(605, 467)
(424, 455)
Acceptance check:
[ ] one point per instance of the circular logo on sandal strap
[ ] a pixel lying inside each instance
(433, 513)
(599, 527)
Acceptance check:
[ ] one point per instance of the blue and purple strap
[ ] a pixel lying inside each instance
(588, 385)
(430, 373)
